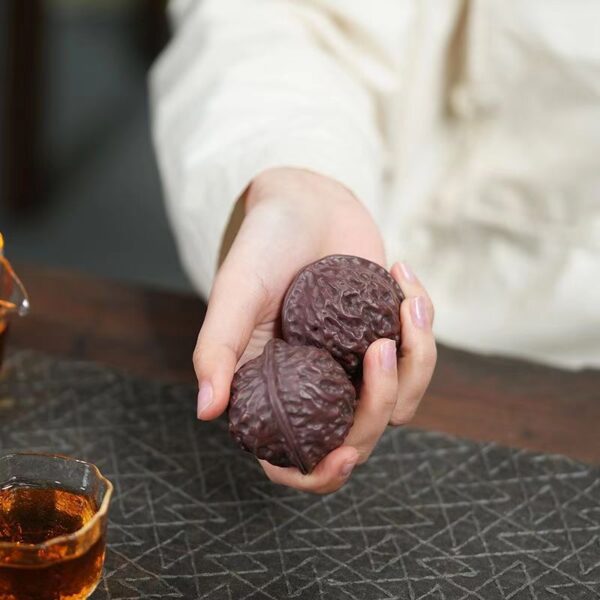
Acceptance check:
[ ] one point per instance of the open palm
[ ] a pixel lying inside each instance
(292, 219)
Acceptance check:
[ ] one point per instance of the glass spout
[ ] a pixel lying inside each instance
(13, 297)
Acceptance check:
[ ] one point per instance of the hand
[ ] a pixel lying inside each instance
(293, 218)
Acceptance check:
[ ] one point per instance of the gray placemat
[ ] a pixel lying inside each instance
(430, 517)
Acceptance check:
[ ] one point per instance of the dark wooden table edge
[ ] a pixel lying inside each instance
(152, 333)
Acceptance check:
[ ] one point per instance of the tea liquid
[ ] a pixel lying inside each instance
(31, 515)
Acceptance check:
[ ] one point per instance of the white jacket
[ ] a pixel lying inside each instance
(469, 128)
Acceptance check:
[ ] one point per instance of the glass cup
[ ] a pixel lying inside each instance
(53, 517)
(13, 296)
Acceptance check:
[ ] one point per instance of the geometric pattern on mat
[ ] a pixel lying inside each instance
(430, 517)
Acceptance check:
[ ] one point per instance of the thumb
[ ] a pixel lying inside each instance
(233, 307)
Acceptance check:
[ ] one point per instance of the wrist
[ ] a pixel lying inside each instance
(296, 185)
(324, 213)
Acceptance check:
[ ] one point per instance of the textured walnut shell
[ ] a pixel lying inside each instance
(342, 304)
(291, 405)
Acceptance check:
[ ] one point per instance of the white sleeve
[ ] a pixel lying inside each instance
(247, 85)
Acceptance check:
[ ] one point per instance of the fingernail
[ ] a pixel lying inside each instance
(205, 397)
(407, 272)
(387, 355)
(418, 312)
(347, 468)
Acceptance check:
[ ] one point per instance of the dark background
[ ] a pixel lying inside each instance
(79, 183)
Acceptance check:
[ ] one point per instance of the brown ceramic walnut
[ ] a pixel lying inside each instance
(342, 304)
(291, 406)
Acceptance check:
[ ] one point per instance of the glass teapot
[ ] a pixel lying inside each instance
(13, 297)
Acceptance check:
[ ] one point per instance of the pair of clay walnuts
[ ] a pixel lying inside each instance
(295, 402)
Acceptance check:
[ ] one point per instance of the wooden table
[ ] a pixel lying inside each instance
(153, 333)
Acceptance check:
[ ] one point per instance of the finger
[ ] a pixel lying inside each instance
(410, 284)
(418, 352)
(329, 475)
(233, 309)
(377, 397)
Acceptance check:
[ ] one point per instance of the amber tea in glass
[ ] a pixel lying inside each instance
(53, 514)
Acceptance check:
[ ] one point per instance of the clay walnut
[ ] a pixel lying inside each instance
(291, 405)
(342, 304)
